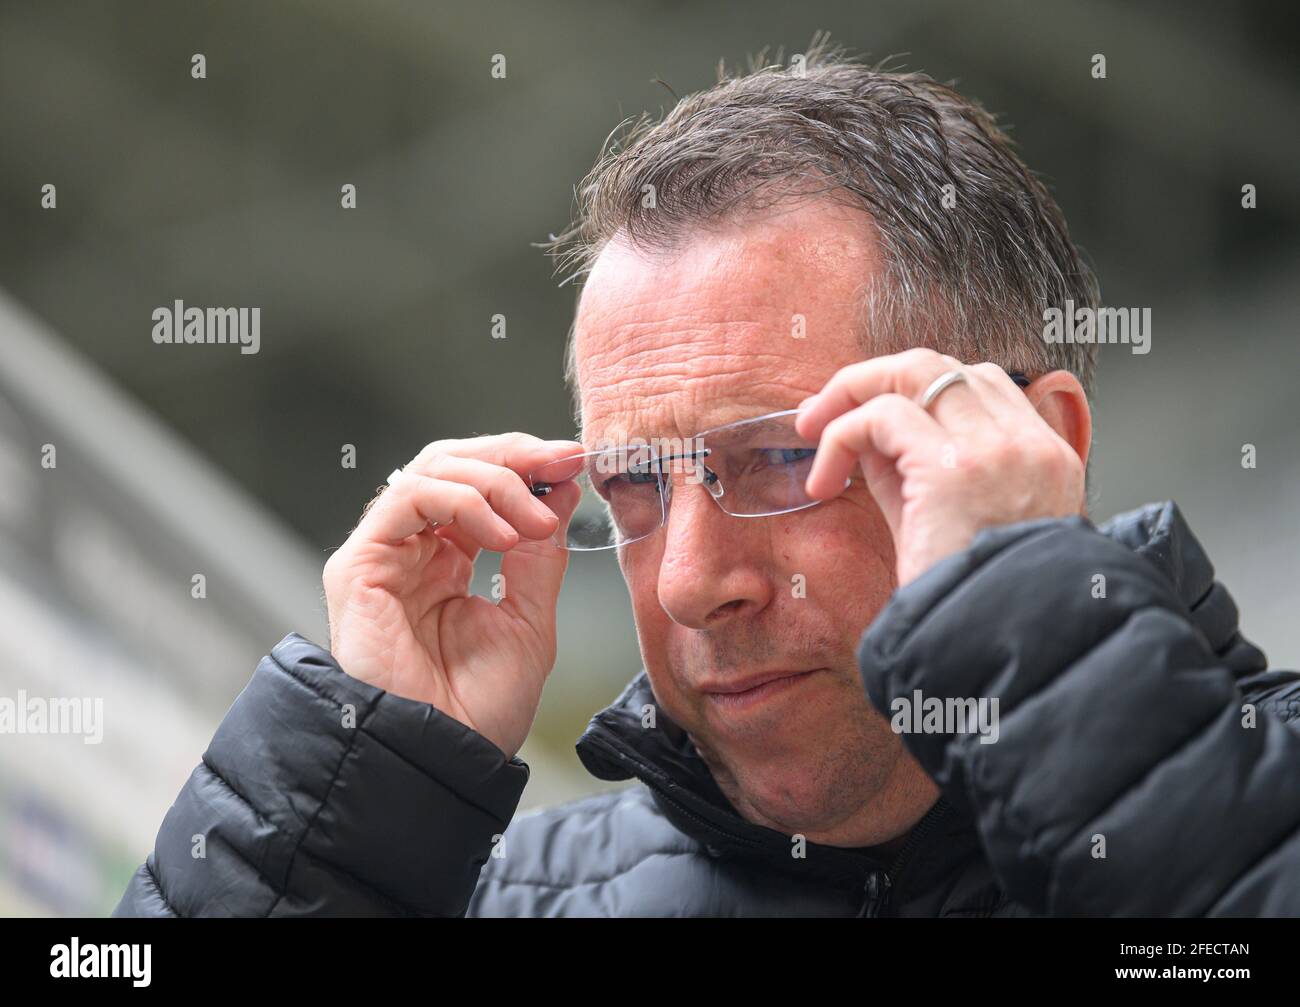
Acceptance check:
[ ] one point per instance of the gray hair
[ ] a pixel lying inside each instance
(969, 275)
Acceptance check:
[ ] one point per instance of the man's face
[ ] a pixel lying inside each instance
(671, 344)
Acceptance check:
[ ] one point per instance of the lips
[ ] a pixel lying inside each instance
(754, 689)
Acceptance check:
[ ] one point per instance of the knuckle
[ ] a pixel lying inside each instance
(423, 487)
(506, 480)
(886, 408)
(1061, 463)
(991, 459)
(1039, 447)
(433, 466)
(513, 440)
(972, 463)
(429, 454)
(462, 495)
(412, 483)
(843, 375)
(1008, 455)
(837, 430)
(872, 411)
(335, 572)
(478, 502)
(892, 403)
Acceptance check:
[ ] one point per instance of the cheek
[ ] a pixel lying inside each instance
(640, 566)
(845, 555)
(844, 542)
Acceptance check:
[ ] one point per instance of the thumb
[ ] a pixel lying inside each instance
(534, 571)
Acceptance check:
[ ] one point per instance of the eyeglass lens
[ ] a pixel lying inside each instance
(751, 468)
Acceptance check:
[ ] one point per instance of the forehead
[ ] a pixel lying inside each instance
(739, 320)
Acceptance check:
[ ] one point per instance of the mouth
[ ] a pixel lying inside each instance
(746, 693)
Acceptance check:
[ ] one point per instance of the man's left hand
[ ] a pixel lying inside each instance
(980, 455)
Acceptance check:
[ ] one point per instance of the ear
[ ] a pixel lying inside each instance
(1060, 400)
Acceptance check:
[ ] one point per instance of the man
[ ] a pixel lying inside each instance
(863, 247)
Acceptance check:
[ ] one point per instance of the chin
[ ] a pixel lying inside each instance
(803, 784)
(794, 805)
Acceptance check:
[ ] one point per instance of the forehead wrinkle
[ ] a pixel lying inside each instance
(668, 406)
(674, 376)
(645, 350)
(623, 333)
(679, 343)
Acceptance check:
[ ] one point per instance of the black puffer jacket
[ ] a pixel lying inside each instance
(1141, 722)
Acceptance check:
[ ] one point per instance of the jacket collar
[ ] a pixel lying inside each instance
(616, 745)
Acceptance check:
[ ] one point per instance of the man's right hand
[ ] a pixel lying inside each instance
(397, 591)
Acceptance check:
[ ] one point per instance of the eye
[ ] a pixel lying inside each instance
(635, 476)
(783, 456)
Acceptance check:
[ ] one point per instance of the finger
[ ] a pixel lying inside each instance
(516, 451)
(508, 453)
(454, 536)
(503, 488)
(533, 572)
(447, 564)
(413, 500)
(562, 499)
(566, 467)
(960, 406)
(1005, 401)
(875, 436)
(907, 374)
(554, 501)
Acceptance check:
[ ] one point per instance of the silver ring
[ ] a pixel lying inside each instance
(938, 385)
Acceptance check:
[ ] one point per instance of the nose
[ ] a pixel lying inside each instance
(714, 567)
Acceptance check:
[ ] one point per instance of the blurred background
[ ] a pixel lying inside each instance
(376, 321)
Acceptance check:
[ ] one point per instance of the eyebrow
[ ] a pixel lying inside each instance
(750, 419)
(777, 423)
(627, 453)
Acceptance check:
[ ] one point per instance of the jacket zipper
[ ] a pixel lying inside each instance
(879, 885)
